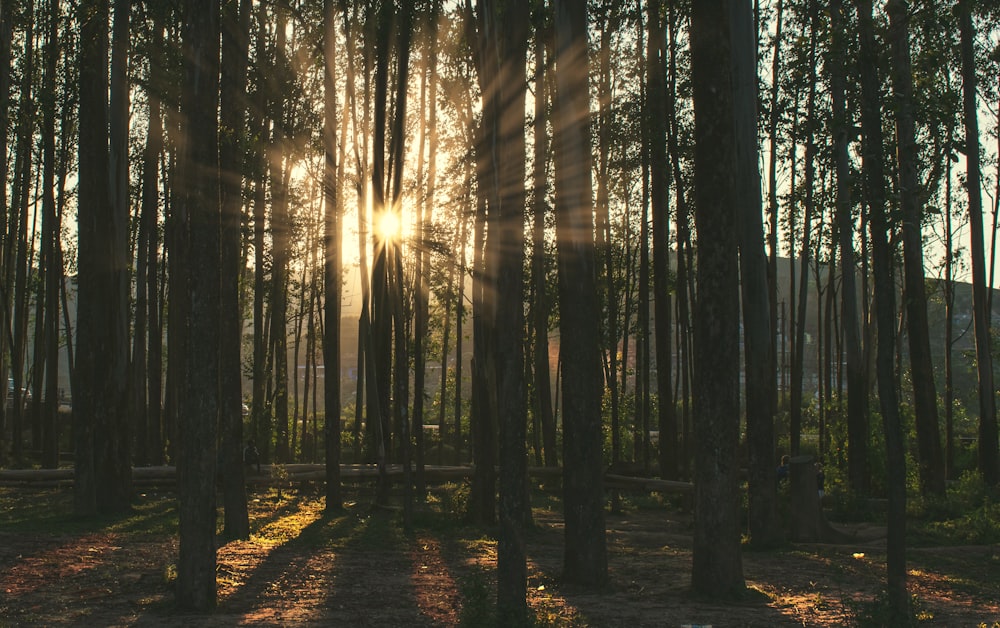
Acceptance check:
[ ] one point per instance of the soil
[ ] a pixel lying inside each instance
(362, 569)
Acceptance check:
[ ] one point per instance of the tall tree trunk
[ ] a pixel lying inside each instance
(683, 241)
(260, 409)
(199, 182)
(47, 392)
(885, 307)
(379, 352)
(6, 35)
(504, 29)
(483, 420)
(332, 266)
(16, 259)
(931, 460)
(235, 47)
(659, 170)
(425, 209)
(774, 117)
(765, 528)
(717, 568)
(857, 376)
(799, 323)
(281, 239)
(989, 455)
(401, 377)
(539, 208)
(102, 482)
(585, 559)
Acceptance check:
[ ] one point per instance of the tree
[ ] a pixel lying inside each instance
(541, 306)
(585, 560)
(102, 472)
(659, 172)
(758, 356)
(504, 29)
(857, 376)
(989, 457)
(235, 46)
(717, 568)
(47, 391)
(332, 265)
(931, 460)
(885, 296)
(199, 192)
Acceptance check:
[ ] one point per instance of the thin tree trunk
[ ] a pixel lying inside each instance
(332, 267)
(989, 455)
(799, 324)
(930, 458)
(656, 105)
(539, 206)
(765, 528)
(47, 391)
(857, 376)
(885, 289)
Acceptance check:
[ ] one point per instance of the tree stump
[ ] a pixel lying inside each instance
(807, 521)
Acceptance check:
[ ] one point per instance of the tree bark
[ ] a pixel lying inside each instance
(659, 172)
(235, 47)
(930, 457)
(885, 306)
(989, 456)
(585, 559)
(857, 375)
(542, 308)
(765, 529)
(332, 267)
(199, 191)
(717, 569)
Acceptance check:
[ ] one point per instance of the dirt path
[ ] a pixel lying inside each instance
(360, 569)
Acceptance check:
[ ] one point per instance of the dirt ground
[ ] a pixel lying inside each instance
(362, 569)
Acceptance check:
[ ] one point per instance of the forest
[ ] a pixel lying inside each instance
(547, 259)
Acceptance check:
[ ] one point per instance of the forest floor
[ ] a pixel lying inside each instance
(362, 568)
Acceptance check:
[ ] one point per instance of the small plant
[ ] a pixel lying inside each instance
(280, 474)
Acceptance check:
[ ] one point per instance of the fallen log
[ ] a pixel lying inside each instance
(284, 475)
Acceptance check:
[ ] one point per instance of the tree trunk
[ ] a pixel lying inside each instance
(659, 170)
(281, 240)
(235, 46)
(885, 307)
(758, 357)
(6, 34)
(989, 456)
(199, 185)
(483, 420)
(102, 353)
(16, 255)
(47, 392)
(857, 376)
(717, 568)
(917, 327)
(332, 267)
(774, 116)
(799, 323)
(585, 559)
(541, 309)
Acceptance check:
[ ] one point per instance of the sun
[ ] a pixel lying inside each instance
(388, 226)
